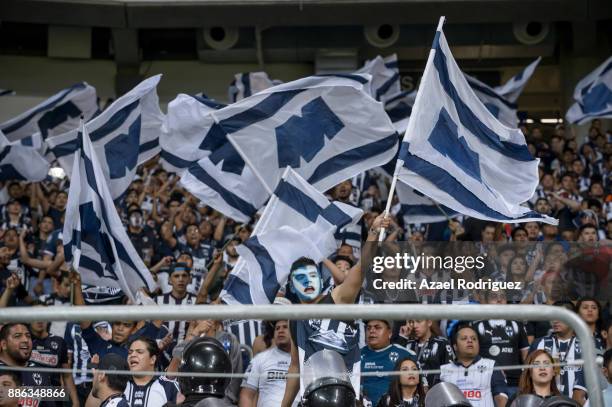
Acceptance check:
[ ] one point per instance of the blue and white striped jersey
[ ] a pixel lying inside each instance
(571, 377)
(157, 392)
(77, 348)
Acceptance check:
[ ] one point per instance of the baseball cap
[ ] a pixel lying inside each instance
(179, 267)
(389, 322)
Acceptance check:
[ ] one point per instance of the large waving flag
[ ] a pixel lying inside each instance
(417, 208)
(399, 108)
(210, 167)
(458, 154)
(56, 115)
(327, 128)
(125, 135)
(512, 89)
(501, 108)
(95, 240)
(298, 221)
(249, 83)
(385, 76)
(593, 96)
(21, 163)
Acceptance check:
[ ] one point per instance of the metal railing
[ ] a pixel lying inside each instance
(342, 312)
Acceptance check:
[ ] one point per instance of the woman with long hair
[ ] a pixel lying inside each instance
(538, 380)
(406, 389)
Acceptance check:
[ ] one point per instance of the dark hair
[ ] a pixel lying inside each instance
(582, 228)
(526, 381)
(117, 381)
(607, 358)
(346, 259)
(15, 376)
(565, 304)
(516, 230)
(151, 345)
(395, 387)
(301, 262)
(460, 326)
(581, 300)
(6, 329)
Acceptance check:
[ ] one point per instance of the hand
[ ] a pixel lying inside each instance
(382, 221)
(218, 259)
(165, 342)
(203, 328)
(12, 282)
(75, 278)
(22, 234)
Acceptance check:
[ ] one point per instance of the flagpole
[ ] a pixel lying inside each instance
(399, 163)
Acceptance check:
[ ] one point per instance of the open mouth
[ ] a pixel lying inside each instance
(309, 290)
(133, 363)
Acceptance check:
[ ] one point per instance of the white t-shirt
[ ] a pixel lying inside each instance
(268, 376)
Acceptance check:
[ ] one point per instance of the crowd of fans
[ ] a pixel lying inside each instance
(190, 249)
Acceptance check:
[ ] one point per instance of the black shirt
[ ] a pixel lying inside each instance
(50, 352)
(503, 341)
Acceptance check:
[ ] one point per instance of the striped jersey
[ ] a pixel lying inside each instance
(77, 348)
(177, 328)
(478, 381)
(156, 392)
(311, 336)
(570, 377)
(246, 330)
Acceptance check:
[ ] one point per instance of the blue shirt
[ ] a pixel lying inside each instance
(382, 360)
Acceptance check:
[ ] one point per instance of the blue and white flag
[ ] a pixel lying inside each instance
(512, 89)
(6, 92)
(56, 115)
(248, 84)
(327, 128)
(399, 108)
(593, 96)
(125, 135)
(418, 208)
(385, 76)
(458, 154)
(21, 163)
(501, 108)
(95, 241)
(298, 221)
(209, 165)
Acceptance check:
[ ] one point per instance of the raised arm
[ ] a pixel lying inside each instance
(347, 292)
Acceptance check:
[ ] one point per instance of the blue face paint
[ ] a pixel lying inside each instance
(306, 283)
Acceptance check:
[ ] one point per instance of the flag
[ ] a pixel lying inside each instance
(327, 128)
(399, 108)
(298, 221)
(249, 83)
(95, 241)
(56, 115)
(6, 92)
(385, 76)
(209, 165)
(501, 108)
(593, 96)
(22, 163)
(125, 135)
(512, 89)
(417, 208)
(458, 154)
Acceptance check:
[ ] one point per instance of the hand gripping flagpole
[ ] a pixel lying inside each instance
(415, 113)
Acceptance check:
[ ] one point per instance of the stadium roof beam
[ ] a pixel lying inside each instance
(198, 13)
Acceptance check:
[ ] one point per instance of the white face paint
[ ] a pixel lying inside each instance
(306, 283)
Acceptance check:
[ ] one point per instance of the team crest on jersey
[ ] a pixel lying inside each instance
(393, 356)
(54, 345)
(37, 378)
(481, 369)
(509, 330)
